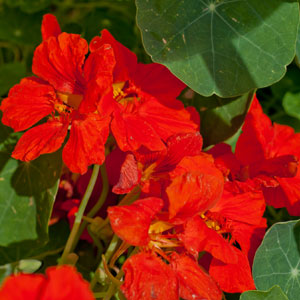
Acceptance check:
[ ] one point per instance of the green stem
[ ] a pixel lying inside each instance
(108, 254)
(98, 205)
(72, 237)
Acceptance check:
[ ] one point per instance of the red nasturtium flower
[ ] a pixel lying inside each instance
(150, 169)
(60, 283)
(266, 158)
(146, 275)
(66, 91)
(142, 102)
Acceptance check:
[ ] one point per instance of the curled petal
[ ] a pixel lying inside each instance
(131, 222)
(196, 185)
(50, 26)
(86, 143)
(42, 139)
(194, 282)
(126, 59)
(198, 237)
(27, 103)
(147, 277)
(98, 76)
(59, 61)
(130, 176)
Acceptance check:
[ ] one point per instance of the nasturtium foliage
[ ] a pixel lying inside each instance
(27, 192)
(274, 293)
(221, 47)
(291, 104)
(29, 6)
(10, 74)
(221, 118)
(277, 260)
(58, 235)
(19, 27)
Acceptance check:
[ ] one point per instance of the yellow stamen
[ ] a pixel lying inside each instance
(70, 99)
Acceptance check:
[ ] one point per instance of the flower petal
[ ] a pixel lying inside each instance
(147, 277)
(156, 80)
(59, 61)
(22, 286)
(131, 132)
(131, 222)
(198, 237)
(129, 176)
(126, 60)
(196, 185)
(233, 278)
(98, 76)
(194, 282)
(86, 143)
(27, 103)
(45, 138)
(65, 283)
(50, 26)
(164, 120)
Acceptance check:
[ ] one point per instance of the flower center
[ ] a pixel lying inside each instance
(124, 92)
(72, 100)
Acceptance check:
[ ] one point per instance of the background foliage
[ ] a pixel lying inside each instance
(227, 47)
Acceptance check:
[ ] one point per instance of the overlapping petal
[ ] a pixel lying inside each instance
(194, 282)
(147, 277)
(196, 186)
(59, 61)
(131, 222)
(42, 139)
(27, 103)
(60, 283)
(86, 143)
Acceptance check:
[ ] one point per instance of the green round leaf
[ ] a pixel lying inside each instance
(277, 260)
(274, 293)
(29, 265)
(291, 104)
(226, 47)
(27, 192)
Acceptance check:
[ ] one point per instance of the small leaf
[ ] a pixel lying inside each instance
(277, 260)
(274, 293)
(291, 104)
(10, 74)
(221, 118)
(221, 47)
(29, 265)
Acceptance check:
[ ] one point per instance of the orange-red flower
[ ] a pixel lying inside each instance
(150, 169)
(148, 277)
(142, 102)
(66, 91)
(60, 283)
(266, 158)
